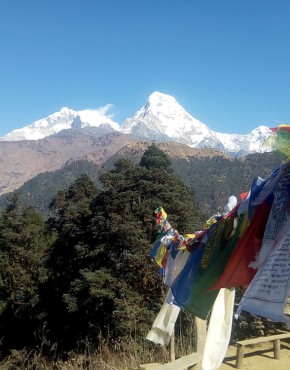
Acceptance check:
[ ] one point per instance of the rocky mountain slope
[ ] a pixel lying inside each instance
(22, 160)
(212, 175)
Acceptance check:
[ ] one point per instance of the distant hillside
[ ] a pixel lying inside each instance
(215, 179)
(21, 161)
(40, 190)
(212, 175)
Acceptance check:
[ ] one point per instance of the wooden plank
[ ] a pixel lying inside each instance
(151, 366)
(181, 363)
(268, 338)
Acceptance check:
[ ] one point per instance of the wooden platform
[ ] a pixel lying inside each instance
(275, 339)
(183, 363)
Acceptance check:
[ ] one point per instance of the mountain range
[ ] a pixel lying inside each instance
(160, 119)
(69, 141)
(212, 175)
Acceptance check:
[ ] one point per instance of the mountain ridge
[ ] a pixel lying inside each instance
(161, 118)
(94, 136)
(22, 160)
(211, 174)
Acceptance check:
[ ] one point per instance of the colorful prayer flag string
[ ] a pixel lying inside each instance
(280, 140)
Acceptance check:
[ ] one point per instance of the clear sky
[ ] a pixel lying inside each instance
(227, 62)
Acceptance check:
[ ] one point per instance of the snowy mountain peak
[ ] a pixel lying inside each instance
(165, 107)
(64, 119)
(157, 101)
(161, 118)
(260, 130)
(65, 110)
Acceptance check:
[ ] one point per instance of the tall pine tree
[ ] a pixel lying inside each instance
(102, 278)
(70, 253)
(23, 248)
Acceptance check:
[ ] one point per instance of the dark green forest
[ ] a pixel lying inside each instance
(84, 273)
(212, 179)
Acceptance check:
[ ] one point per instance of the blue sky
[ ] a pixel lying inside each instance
(227, 62)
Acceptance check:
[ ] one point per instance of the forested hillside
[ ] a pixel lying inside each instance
(215, 179)
(85, 273)
(212, 176)
(40, 190)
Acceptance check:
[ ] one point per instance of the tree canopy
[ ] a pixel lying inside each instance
(93, 275)
(24, 241)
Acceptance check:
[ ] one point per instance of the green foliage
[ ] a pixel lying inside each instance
(68, 255)
(155, 158)
(101, 275)
(23, 246)
(212, 179)
(86, 271)
(125, 223)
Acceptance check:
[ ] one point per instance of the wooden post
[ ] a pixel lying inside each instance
(172, 348)
(276, 347)
(200, 334)
(240, 356)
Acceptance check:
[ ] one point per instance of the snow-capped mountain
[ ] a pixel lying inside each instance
(64, 119)
(240, 145)
(162, 118)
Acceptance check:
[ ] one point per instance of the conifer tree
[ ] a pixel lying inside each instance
(23, 245)
(102, 277)
(69, 254)
(155, 158)
(124, 223)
